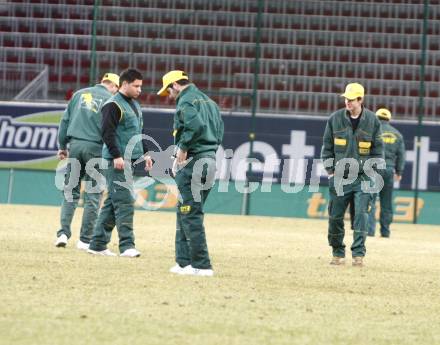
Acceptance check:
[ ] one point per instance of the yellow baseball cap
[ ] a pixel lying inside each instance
(383, 113)
(114, 78)
(353, 91)
(170, 78)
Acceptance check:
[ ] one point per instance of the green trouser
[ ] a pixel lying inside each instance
(118, 209)
(336, 210)
(83, 151)
(194, 182)
(386, 205)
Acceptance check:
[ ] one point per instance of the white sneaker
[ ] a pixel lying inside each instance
(131, 253)
(177, 268)
(82, 245)
(105, 252)
(61, 241)
(191, 271)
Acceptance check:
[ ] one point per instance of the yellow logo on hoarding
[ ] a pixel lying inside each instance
(404, 207)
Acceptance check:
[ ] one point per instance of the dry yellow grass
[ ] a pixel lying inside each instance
(273, 285)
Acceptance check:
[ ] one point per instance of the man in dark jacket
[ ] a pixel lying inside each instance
(352, 136)
(121, 122)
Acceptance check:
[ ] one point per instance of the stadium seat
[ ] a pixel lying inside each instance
(307, 47)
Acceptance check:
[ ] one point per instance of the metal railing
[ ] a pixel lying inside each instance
(36, 89)
(15, 80)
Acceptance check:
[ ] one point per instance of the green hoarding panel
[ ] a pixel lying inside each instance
(307, 204)
(35, 187)
(224, 199)
(272, 200)
(4, 183)
(276, 200)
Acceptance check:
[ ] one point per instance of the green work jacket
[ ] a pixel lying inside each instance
(198, 125)
(341, 141)
(394, 147)
(130, 124)
(82, 117)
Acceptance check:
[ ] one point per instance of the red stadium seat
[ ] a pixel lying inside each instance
(310, 47)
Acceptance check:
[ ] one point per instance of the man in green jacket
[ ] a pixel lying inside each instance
(122, 126)
(352, 137)
(79, 138)
(395, 163)
(198, 132)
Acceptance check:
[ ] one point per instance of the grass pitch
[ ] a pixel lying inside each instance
(273, 285)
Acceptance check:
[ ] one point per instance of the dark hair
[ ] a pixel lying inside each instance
(183, 82)
(130, 75)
